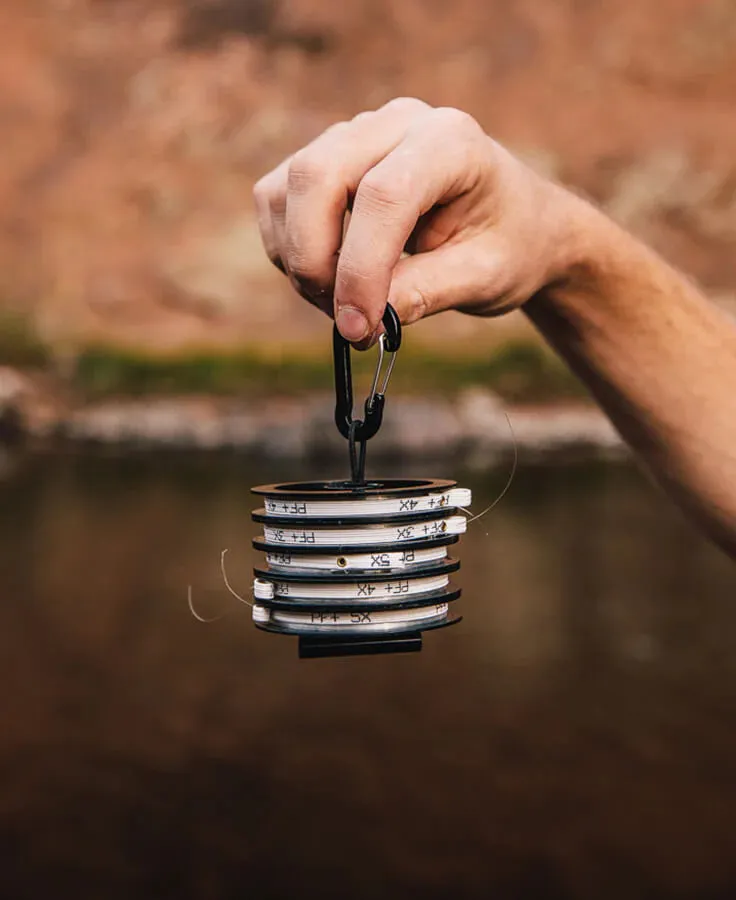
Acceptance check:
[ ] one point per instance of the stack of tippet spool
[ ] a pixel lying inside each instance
(357, 568)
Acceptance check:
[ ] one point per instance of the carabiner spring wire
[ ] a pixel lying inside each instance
(376, 376)
(358, 431)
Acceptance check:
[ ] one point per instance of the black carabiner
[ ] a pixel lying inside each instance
(367, 427)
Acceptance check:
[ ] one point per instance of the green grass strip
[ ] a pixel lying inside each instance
(518, 371)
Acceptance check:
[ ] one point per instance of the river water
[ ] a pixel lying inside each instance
(573, 737)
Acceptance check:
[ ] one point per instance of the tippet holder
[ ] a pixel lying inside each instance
(358, 567)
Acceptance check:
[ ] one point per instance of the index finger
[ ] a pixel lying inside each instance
(433, 164)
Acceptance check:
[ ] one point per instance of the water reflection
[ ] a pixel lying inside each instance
(573, 737)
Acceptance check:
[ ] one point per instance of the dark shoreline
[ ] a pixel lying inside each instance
(474, 425)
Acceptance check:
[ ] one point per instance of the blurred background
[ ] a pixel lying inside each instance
(574, 736)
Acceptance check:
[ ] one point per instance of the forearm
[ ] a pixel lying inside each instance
(659, 358)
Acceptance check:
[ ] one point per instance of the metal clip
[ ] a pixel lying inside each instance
(357, 429)
(392, 362)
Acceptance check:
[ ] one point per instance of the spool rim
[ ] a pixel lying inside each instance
(350, 576)
(261, 517)
(443, 595)
(324, 631)
(261, 544)
(342, 490)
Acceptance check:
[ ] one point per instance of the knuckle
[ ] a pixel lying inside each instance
(305, 270)
(260, 201)
(262, 191)
(383, 191)
(311, 270)
(259, 192)
(269, 182)
(365, 116)
(269, 195)
(405, 104)
(308, 168)
(336, 130)
(417, 304)
(458, 120)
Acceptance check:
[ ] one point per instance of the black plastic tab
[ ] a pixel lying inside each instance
(314, 647)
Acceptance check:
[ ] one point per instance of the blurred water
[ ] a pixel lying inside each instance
(574, 737)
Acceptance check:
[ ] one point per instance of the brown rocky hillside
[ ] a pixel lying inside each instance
(133, 131)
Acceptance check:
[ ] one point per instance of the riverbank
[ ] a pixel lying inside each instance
(474, 423)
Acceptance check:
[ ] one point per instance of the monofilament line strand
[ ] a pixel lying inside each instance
(227, 583)
(511, 477)
(194, 612)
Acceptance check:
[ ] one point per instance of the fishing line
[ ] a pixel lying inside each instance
(227, 585)
(194, 612)
(509, 482)
(227, 582)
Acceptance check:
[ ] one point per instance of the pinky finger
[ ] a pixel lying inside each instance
(263, 198)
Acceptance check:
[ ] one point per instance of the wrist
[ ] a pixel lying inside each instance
(594, 260)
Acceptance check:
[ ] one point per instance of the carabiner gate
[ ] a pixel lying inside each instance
(389, 342)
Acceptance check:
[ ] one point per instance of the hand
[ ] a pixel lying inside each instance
(483, 232)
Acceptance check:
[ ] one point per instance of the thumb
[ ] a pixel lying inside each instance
(464, 276)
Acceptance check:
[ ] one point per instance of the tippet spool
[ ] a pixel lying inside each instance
(355, 566)
(347, 561)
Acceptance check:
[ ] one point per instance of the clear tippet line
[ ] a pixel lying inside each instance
(511, 477)
(230, 588)
(194, 612)
(227, 583)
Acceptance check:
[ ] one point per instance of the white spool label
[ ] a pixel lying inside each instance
(375, 535)
(327, 619)
(370, 506)
(405, 559)
(398, 589)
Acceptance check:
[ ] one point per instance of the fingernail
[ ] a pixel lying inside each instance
(352, 324)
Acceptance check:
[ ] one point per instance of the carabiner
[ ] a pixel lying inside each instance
(389, 342)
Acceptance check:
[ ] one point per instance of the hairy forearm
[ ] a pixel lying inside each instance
(658, 357)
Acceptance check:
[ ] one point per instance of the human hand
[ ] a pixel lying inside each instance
(482, 231)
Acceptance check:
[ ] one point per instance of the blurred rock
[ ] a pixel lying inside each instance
(477, 427)
(475, 424)
(16, 391)
(14, 386)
